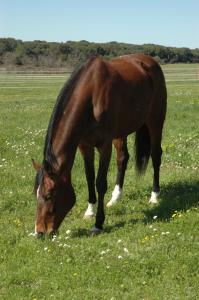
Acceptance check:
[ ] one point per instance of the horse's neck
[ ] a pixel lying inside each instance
(68, 134)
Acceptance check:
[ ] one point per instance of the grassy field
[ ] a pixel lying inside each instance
(146, 252)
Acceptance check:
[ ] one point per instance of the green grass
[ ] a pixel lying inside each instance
(146, 252)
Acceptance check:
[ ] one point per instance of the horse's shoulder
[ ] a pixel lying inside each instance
(99, 63)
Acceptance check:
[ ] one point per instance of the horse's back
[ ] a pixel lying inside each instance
(125, 91)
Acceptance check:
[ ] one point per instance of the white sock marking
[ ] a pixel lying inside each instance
(154, 198)
(116, 195)
(90, 212)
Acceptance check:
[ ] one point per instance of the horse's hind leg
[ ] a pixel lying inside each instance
(156, 153)
(122, 160)
(88, 155)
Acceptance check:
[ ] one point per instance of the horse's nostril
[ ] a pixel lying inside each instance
(40, 235)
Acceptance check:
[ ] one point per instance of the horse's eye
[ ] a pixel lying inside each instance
(47, 197)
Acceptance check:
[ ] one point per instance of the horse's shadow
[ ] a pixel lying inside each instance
(175, 197)
(82, 232)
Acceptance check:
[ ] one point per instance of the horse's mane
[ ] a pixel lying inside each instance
(62, 100)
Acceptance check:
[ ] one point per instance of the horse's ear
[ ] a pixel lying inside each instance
(36, 165)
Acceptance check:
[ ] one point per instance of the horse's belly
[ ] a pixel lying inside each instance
(129, 120)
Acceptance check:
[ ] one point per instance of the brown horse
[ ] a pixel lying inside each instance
(103, 101)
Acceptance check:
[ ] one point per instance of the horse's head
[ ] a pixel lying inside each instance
(55, 198)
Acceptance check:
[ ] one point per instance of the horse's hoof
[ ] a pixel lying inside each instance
(96, 231)
(87, 217)
(154, 198)
(153, 201)
(111, 203)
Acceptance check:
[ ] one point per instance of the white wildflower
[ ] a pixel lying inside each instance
(108, 267)
(54, 238)
(126, 250)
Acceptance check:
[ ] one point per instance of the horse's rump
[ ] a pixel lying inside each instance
(126, 93)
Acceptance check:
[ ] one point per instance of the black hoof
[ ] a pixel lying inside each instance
(96, 231)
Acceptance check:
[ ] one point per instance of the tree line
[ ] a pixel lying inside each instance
(54, 55)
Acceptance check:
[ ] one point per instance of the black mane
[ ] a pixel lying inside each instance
(62, 100)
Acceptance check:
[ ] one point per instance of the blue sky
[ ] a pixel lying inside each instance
(169, 22)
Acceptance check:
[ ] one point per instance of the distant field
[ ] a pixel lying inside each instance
(146, 252)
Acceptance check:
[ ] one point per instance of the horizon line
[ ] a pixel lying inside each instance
(96, 42)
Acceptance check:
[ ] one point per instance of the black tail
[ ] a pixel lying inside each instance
(142, 149)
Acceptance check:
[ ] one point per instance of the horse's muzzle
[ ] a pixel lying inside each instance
(41, 235)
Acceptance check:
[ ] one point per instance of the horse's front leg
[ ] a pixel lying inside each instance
(122, 160)
(88, 155)
(101, 184)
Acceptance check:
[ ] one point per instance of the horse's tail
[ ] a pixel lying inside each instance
(142, 149)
